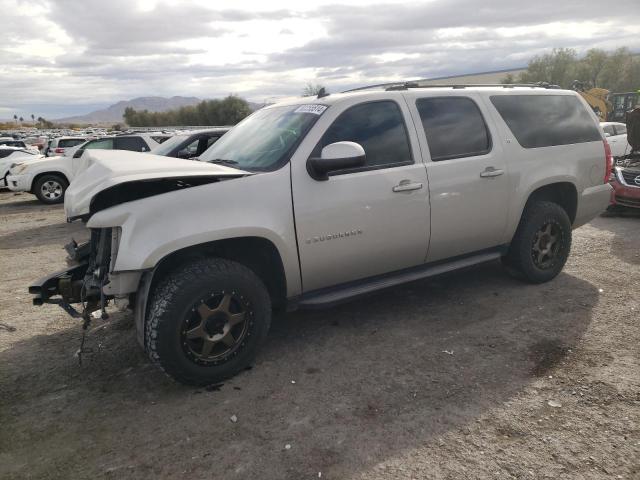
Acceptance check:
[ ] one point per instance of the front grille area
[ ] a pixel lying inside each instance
(630, 176)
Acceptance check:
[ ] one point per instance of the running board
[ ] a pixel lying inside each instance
(329, 297)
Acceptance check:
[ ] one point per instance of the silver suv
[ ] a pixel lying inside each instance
(315, 201)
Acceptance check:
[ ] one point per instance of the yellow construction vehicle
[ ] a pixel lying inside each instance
(596, 98)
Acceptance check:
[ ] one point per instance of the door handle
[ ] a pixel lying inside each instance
(407, 186)
(491, 172)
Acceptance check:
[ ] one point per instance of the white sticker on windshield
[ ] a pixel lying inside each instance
(315, 109)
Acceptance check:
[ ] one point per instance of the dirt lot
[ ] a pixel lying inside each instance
(473, 375)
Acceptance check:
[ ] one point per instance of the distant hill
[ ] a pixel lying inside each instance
(113, 114)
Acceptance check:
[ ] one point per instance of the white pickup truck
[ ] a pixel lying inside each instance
(315, 201)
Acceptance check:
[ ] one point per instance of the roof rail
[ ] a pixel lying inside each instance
(407, 85)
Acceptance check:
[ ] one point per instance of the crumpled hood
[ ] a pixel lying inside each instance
(30, 159)
(108, 169)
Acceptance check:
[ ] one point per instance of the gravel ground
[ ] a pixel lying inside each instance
(472, 375)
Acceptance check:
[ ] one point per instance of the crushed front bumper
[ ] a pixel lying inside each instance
(19, 183)
(65, 283)
(83, 282)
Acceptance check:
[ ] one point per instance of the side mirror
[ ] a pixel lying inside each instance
(336, 156)
(78, 153)
(607, 134)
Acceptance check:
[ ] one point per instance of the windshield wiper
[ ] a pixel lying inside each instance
(223, 161)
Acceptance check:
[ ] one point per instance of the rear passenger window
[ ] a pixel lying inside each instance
(378, 127)
(135, 144)
(454, 127)
(546, 120)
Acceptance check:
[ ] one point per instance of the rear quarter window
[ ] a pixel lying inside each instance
(546, 120)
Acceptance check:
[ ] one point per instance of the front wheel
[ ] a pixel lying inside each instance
(50, 188)
(207, 320)
(542, 243)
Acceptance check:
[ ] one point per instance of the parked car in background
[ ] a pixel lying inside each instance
(136, 143)
(190, 144)
(49, 178)
(11, 142)
(10, 155)
(314, 201)
(625, 177)
(616, 134)
(57, 146)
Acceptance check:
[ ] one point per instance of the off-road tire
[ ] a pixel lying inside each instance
(519, 260)
(50, 179)
(172, 300)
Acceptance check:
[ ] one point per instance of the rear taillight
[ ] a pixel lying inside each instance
(608, 159)
(59, 150)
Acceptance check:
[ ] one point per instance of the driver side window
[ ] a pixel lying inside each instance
(378, 127)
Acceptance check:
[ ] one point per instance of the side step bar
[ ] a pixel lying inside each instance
(335, 295)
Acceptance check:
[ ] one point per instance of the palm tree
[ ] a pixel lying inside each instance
(15, 118)
(33, 118)
(21, 120)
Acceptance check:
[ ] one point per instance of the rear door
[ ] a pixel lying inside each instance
(467, 172)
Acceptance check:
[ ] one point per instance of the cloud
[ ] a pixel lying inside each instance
(74, 52)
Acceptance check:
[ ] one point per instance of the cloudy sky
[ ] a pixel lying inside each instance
(70, 56)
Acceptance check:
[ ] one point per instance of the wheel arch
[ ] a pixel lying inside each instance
(563, 193)
(257, 253)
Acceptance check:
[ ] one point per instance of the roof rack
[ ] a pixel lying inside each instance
(407, 85)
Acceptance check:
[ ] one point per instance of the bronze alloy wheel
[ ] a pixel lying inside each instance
(547, 243)
(216, 328)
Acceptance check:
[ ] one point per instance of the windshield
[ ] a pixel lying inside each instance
(165, 147)
(264, 140)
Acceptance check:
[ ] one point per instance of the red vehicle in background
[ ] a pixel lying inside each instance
(625, 176)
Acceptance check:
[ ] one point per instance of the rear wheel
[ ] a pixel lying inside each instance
(207, 320)
(542, 243)
(50, 188)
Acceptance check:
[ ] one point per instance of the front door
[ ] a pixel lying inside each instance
(367, 221)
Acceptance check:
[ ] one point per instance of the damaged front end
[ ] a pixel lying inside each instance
(83, 282)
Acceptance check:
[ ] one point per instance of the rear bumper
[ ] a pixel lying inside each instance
(592, 202)
(625, 196)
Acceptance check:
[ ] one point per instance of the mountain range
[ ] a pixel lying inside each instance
(113, 113)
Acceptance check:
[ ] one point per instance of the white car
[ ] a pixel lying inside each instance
(48, 178)
(57, 146)
(11, 142)
(11, 155)
(616, 134)
(140, 142)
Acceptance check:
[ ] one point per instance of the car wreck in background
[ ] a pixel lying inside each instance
(625, 177)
